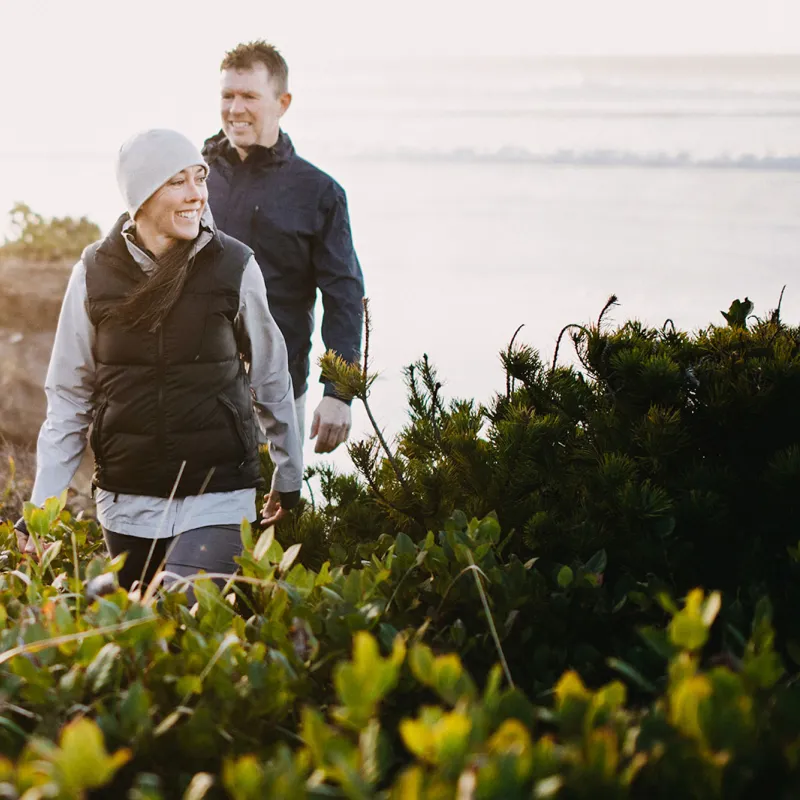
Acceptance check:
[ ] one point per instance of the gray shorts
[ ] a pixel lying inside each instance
(210, 549)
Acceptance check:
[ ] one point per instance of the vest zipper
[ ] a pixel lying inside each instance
(160, 421)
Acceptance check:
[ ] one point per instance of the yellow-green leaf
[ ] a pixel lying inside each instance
(82, 757)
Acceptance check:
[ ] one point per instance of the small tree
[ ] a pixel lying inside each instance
(35, 238)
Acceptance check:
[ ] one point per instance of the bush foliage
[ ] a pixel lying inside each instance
(35, 238)
(502, 603)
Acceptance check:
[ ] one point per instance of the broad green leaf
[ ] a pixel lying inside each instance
(189, 684)
(711, 608)
(564, 577)
(421, 662)
(243, 778)
(688, 631)
(363, 682)
(684, 704)
(288, 558)
(323, 577)
(404, 545)
(246, 533)
(572, 702)
(199, 786)
(82, 757)
(438, 737)
(100, 672)
(689, 628)
(53, 506)
(50, 554)
(602, 754)
(570, 686)
(264, 543)
(597, 563)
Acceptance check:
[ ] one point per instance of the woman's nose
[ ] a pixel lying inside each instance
(195, 190)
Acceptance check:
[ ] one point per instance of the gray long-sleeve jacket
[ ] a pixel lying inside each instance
(70, 389)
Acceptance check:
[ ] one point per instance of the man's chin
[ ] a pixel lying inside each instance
(243, 139)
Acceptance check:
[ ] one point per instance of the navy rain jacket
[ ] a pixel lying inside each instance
(295, 219)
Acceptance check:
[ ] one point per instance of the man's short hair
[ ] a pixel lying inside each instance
(247, 55)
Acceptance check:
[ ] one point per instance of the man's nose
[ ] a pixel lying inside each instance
(237, 105)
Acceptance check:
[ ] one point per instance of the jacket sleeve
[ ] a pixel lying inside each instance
(69, 387)
(340, 280)
(270, 381)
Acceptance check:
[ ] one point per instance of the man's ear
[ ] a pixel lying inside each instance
(285, 101)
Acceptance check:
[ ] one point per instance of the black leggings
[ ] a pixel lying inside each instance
(210, 549)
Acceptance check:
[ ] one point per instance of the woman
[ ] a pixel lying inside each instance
(156, 325)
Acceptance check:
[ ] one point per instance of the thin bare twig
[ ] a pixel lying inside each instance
(148, 594)
(612, 301)
(307, 482)
(490, 620)
(385, 447)
(778, 309)
(509, 380)
(161, 524)
(560, 337)
(57, 641)
(367, 331)
(364, 400)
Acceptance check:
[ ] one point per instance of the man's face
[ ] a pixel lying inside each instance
(251, 107)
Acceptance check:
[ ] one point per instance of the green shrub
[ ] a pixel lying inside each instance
(35, 238)
(546, 640)
(312, 684)
(677, 455)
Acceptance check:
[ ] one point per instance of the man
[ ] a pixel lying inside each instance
(295, 218)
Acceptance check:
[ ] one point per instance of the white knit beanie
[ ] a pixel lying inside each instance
(148, 160)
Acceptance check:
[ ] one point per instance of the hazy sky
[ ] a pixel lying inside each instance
(95, 69)
(139, 35)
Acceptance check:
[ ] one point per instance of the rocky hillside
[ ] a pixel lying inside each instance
(29, 304)
(30, 301)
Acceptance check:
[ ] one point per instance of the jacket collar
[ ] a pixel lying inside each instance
(143, 257)
(121, 247)
(219, 148)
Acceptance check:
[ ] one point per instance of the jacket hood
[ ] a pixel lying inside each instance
(218, 147)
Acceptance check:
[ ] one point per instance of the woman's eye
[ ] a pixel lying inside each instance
(202, 178)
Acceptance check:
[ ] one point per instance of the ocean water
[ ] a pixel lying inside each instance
(488, 194)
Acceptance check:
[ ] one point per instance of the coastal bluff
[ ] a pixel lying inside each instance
(30, 302)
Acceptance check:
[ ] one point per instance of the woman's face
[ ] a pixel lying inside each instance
(174, 211)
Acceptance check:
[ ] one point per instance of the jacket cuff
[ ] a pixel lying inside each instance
(289, 499)
(330, 391)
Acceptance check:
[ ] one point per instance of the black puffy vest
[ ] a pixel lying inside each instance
(180, 394)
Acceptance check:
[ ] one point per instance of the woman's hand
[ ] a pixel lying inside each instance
(25, 543)
(272, 511)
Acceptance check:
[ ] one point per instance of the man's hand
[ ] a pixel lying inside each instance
(272, 510)
(331, 424)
